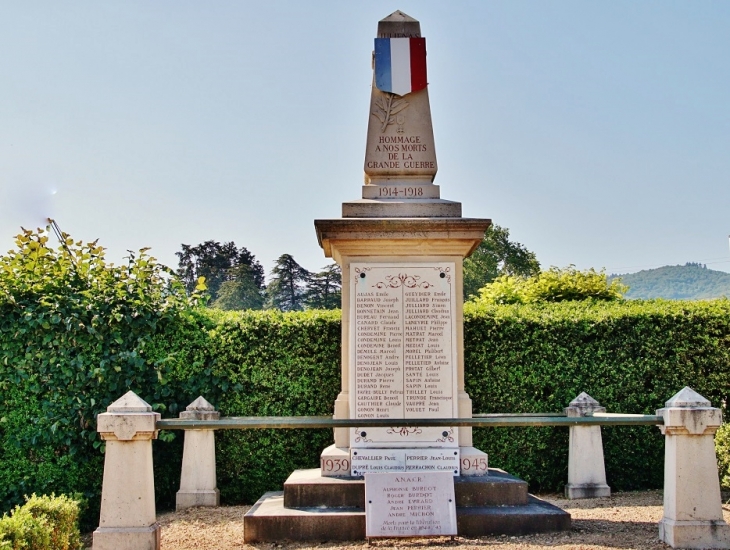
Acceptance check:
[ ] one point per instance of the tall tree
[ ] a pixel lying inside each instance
(495, 256)
(218, 263)
(324, 289)
(241, 292)
(287, 289)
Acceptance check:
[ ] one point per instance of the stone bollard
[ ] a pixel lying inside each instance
(692, 502)
(198, 478)
(127, 520)
(586, 469)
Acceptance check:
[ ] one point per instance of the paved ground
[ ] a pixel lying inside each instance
(623, 521)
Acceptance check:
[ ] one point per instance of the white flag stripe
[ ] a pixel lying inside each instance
(400, 65)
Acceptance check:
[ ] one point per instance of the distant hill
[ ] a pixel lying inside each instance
(691, 281)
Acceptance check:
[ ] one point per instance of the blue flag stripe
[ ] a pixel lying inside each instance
(382, 64)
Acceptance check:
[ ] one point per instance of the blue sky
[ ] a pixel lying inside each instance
(597, 132)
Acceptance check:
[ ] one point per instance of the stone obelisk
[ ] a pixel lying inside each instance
(401, 249)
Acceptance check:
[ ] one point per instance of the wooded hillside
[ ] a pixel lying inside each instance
(691, 281)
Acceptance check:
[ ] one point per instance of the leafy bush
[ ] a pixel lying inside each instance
(73, 337)
(23, 531)
(722, 449)
(553, 285)
(42, 523)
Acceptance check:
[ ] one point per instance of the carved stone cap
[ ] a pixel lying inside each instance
(688, 413)
(130, 402)
(200, 409)
(129, 418)
(398, 25)
(687, 398)
(584, 405)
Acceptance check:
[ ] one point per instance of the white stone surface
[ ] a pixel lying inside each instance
(400, 145)
(198, 475)
(692, 503)
(586, 466)
(409, 505)
(404, 460)
(403, 354)
(401, 208)
(335, 462)
(128, 518)
(366, 461)
(473, 462)
(401, 191)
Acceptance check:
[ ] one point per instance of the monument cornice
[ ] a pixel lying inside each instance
(403, 235)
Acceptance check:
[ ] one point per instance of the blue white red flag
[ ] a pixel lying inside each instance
(400, 65)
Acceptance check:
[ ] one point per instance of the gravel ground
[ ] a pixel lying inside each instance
(623, 521)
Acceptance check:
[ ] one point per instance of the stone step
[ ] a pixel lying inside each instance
(308, 489)
(269, 521)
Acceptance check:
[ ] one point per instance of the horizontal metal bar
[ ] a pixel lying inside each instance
(279, 422)
(502, 415)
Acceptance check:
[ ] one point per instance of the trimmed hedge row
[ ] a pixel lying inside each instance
(631, 356)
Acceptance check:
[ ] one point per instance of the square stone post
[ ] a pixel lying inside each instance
(127, 520)
(198, 476)
(586, 468)
(692, 502)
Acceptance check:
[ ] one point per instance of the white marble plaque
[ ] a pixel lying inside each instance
(365, 461)
(403, 351)
(368, 461)
(409, 505)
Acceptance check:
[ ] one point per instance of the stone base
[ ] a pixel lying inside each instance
(316, 508)
(587, 491)
(694, 534)
(403, 208)
(127, 538)
(188, 499)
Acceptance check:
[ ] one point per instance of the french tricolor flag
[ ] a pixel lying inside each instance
(400, 65)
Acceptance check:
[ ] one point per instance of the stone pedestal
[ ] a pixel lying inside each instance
(692, 503)
(198, 477)
(317, 508)
(401, 249)
(418, 245)
(127, 520)
(586, 469)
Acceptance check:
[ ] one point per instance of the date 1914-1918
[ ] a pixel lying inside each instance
(401, 191)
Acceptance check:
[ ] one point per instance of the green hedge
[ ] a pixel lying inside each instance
(631, 356)
(42, 523)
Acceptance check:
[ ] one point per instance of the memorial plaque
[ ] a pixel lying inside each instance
(409, 505)
(403, 351)
(365, 461)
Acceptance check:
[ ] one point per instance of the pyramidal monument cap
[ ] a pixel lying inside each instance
(400, 154)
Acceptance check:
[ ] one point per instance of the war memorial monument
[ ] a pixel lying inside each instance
(401, 248)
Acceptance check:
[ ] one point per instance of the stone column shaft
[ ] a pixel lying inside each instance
(586, 467)
(692, 503)
(128, 517)
(198, 485)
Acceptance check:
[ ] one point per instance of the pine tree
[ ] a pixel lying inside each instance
(324, 289)
(241, 292)
(287, 289)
